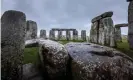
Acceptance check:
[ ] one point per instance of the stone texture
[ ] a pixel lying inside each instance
(102, 30)
(43, 34)
(13, 26)
(130, 22)
(59, 35)
(75, 35)
(31, 72)
(121, 25)
(101, 33)
(31, 31)
(104, 15)
(94, 32)
(109, 30)
(52, 34)
(68, 35)
(83, 35)
(54, 58)
(118, 37)
(95, 62)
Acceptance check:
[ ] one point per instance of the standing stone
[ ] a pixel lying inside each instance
(83, 35)
(101, 33)
(13, 24)
(108, 28)
(43, 34)
(59, 35)
(52, 34)
(130, 22)
(75, 35)
(31, 30)
(112, 38)
(94, 32)
(118, 34)
(68, 35)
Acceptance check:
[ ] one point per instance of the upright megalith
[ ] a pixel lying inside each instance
(130, 22)
(43, 34)
(31, 31)
(102, 30)
(52, 34)
(13, 24)
(59, 34)
(75, 35)
(83, 35)
(108, 30)
(68, 35)
(94, 32)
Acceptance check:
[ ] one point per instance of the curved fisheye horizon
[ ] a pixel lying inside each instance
(68, 13)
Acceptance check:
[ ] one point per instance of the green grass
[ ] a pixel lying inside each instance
(124, 47)
(31, 55)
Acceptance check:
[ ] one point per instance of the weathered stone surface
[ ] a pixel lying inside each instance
(104, 15)
(83, 35)
(13, 25)
(94, 32)
(94, 62)
(130, 22)
(75, 35)
(31, 31)
(31, 72)
(112, 38)
(118, 34)
(121, 25)
(101, 33)
(59, 35)
(68, 35)
(54, 58)
(43, 34)
(52, 34)
(109, 30)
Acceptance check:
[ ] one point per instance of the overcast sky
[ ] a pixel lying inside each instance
(68, 13)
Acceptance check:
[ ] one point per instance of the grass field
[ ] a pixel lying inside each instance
(124, 47)
(31, 54)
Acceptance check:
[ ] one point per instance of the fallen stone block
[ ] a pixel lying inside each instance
(54, 58)
(95, 62)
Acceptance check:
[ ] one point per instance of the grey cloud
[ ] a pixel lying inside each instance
(68, 13)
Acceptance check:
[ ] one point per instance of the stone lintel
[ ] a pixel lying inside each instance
(104, 15)
(121, 25)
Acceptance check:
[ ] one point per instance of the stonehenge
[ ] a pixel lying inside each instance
(130, 23)
(83, 35)
(31, 30)
(118, 37)
(68, 34)
(13, 27)
(102, 30)
(43, 34)
(94, 60)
